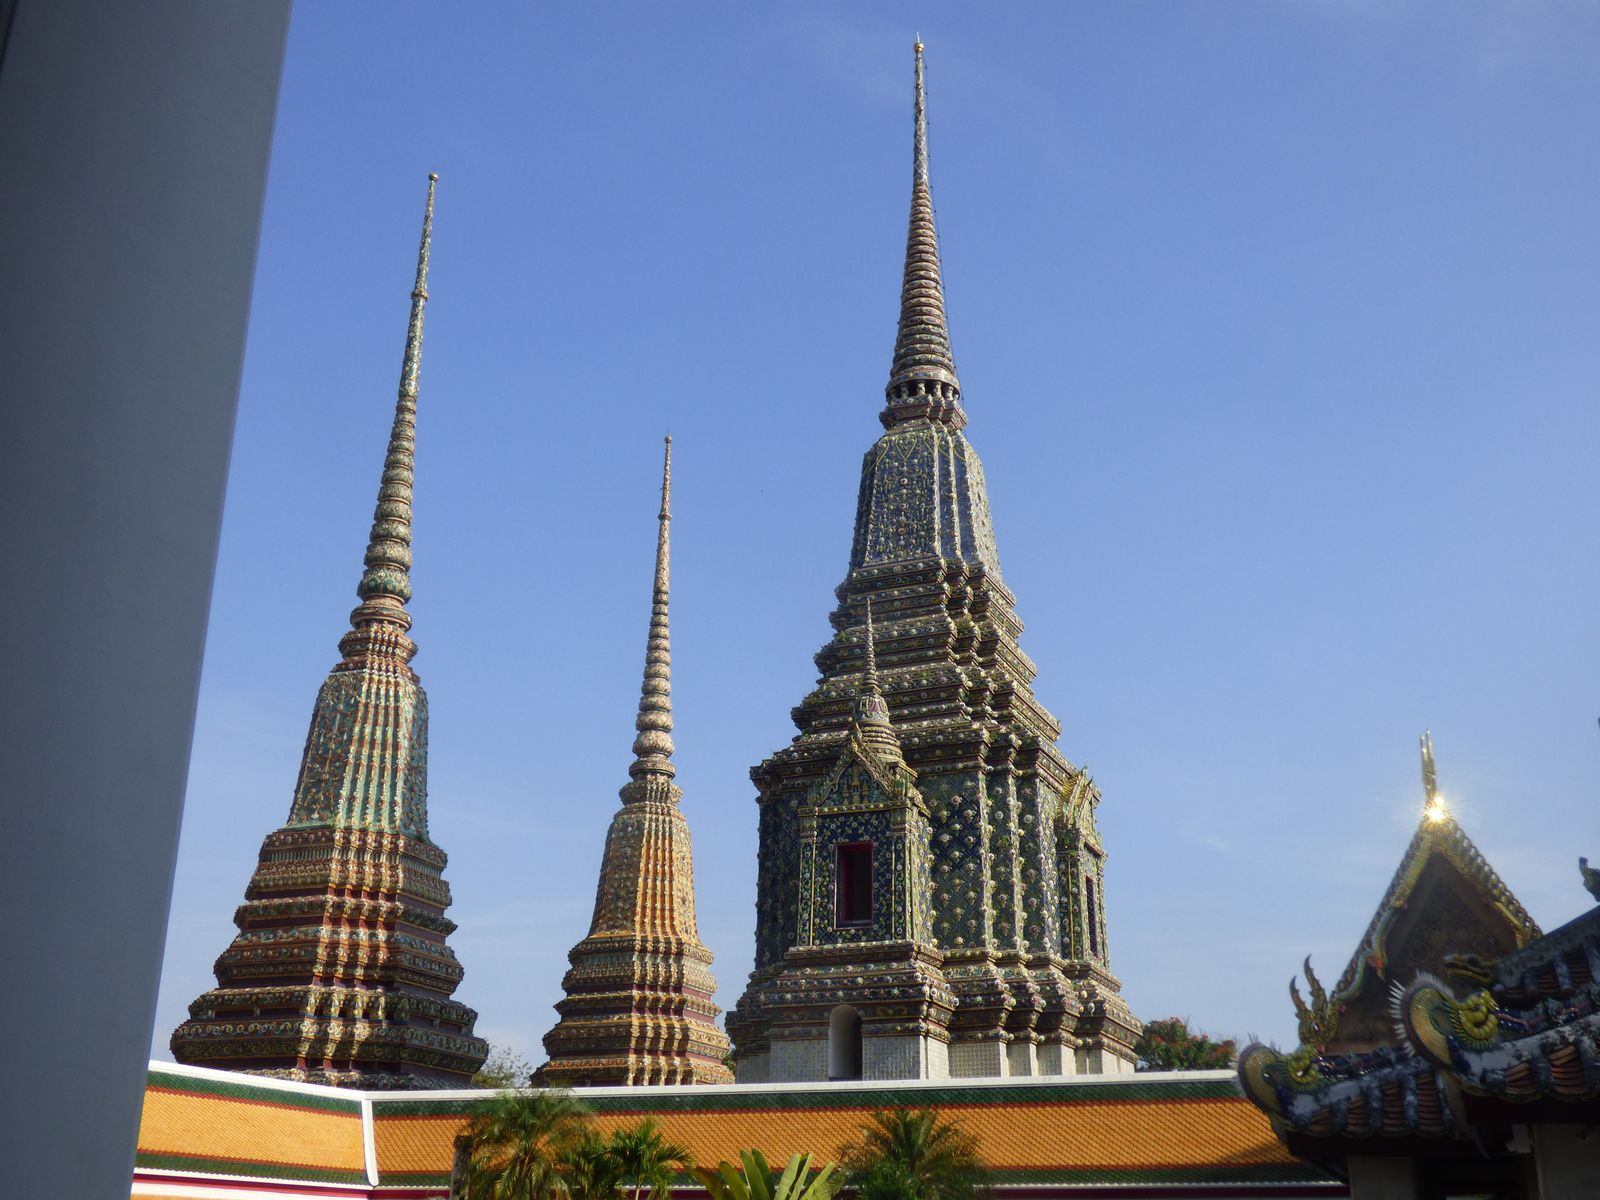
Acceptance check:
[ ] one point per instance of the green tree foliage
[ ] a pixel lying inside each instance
(504, 1068)
(886, 1181)
(907, 1154)
(1170, 1045)
(517, 1147)
(589, 1168)
(645, 1162)
(755, 1180)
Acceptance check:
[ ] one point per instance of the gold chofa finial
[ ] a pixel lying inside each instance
(1433, 805)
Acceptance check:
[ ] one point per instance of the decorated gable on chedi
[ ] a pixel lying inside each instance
(864, 874)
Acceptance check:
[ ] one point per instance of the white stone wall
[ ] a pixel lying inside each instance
(1022, 1058)
(909, 1056)
(969, 1059)
(753, 1068)
(1054, 1058)
(906, 1056)
(799, 1059)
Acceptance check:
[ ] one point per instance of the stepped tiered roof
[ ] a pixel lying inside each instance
(1002, 966)
(638, 1005)
(340, 972)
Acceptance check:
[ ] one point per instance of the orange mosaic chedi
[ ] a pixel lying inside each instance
(340, 973)
(638, 1005)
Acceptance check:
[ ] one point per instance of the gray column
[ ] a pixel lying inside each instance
(1567, 1158)
(1382, 1178)
(133, 150)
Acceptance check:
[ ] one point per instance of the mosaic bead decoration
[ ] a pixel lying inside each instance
(340, 973)
(638, 1006)
(998, 950)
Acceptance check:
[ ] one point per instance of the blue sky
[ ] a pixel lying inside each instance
(1277, 325)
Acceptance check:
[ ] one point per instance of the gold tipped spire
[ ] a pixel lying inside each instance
(653, 746)
(919, 136)
(386, 583)
(1433, 805)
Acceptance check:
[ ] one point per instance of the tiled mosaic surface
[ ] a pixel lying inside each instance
(637, 1007)
(1003, 946)
(340, 972)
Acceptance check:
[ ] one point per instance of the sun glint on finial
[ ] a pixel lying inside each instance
(1434, 808)
(917, 46)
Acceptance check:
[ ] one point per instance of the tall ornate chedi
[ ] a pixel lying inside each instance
(638, 1003)
(340, 973)
(930, 896)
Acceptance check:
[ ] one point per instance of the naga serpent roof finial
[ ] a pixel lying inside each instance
(653, 746)
(386, 582)
(922, 380)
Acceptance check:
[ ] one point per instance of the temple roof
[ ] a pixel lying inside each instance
(1517, 1023)
(1442, 839)
(1533, 1034)
(1162, 1132)
(1439, 855)
(1460, 1057)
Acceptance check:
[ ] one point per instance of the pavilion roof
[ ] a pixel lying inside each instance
(1173, 1132)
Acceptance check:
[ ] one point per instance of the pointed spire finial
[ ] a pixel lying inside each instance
(871, 681)
(653, 746)
(1433, 805)
(871, 709)
(386, 583)
(922, 380)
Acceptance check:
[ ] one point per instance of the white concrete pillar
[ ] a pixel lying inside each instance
(133, 146)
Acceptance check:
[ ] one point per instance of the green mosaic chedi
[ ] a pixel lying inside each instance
(925, 784)
(340, 972)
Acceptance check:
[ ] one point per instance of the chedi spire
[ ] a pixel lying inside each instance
(929, 897)
(922, 379)
(653, 747)
(386, 582)
(340, 973)
(638, 1006)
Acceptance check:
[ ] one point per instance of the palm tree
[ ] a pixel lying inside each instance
(912, 1155)
(590, 1168)
(758, 1181)
(517, 1147)
(645, 1161)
